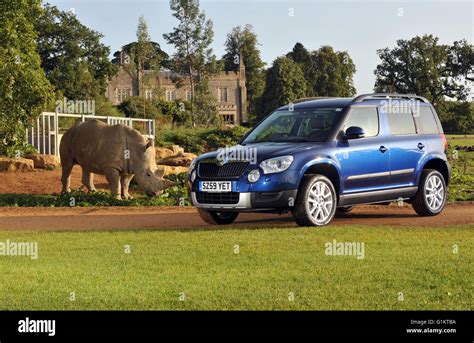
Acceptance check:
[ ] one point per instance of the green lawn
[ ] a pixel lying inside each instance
(462, 140)
(202, 265)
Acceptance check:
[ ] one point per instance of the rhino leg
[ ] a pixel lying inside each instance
(88, 180)
(113, 178)
(66, 166)
(125, 181)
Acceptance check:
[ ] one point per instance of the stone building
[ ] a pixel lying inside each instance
(227, 87)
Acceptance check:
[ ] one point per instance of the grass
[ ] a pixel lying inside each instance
(202, 267)
(461, 140)
(462, 163)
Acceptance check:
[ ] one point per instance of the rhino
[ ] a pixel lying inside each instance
(116, 151)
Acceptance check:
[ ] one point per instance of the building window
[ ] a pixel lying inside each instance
(122, 94)
(228, 118)
(149, 94)
(222, 94)
(189, 95)
(170, 95)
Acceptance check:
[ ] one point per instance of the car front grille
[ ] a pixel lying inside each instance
(227, 198)
(211, 170)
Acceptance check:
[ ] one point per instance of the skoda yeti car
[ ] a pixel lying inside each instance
(317, 157)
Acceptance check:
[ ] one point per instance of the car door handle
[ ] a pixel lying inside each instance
(382, 149)
(421, 146)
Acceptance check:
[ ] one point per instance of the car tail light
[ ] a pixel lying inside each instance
(443, 137)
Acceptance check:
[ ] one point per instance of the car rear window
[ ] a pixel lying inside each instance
(425, 121)
(401, 123)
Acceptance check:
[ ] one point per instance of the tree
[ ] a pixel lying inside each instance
(205, 106)
(72, 56)
(424, 67)
(25, 90)
(192, 39)
(327, 72)
(157, 57)
(333, 73)
(300, 54)
(285, 83)
(457, 116)
(303, 58)
(244, 41)
(144, 56)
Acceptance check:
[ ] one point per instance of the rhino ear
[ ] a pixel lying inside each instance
(149, 143)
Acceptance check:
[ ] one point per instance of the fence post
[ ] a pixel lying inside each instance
(38, 133)
(56, 134)
(49, 134)
(44, 134)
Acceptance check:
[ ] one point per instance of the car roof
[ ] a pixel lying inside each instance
(319, 103)
(335, 103)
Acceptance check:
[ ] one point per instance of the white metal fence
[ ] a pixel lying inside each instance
(47, 131)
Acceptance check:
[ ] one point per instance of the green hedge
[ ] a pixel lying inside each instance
(200, 140)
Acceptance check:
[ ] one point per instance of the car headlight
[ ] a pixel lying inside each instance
(253, 176)
(276, 164)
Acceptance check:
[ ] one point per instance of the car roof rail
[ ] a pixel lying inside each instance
(297, 101)
(363, 97)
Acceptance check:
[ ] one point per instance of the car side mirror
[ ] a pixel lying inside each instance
(354, 132)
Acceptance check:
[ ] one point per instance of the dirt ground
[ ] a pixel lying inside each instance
(43, 181)
(159, 218)
(109, 218)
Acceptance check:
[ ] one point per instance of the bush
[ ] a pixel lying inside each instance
(178, 110)
(18, 150)
(219, 138)
(138, 107)
(103, 107)
(200, 140)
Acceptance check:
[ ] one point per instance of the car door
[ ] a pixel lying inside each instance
(364, 161)
(406, 147)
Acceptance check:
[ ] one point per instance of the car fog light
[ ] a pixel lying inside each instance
(254, 175)
(193, 176)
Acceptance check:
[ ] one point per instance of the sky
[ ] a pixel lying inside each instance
(359, 27)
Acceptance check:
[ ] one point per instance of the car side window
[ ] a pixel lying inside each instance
(365, 117)
(425, 121)
(401, 123)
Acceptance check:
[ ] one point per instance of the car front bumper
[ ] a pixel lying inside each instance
(253, 201)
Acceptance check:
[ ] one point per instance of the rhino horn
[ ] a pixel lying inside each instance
(168, 183)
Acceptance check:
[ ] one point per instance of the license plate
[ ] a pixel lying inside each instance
(216, 186)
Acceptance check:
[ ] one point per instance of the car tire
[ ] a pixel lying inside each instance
(217, 218)
(316, 201)
(431, 196)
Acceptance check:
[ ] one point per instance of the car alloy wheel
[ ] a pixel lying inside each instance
(434, 192)
(320, 202)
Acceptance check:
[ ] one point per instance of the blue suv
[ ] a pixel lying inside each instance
(316, 157)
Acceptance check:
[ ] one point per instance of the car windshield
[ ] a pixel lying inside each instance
(308, 125)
